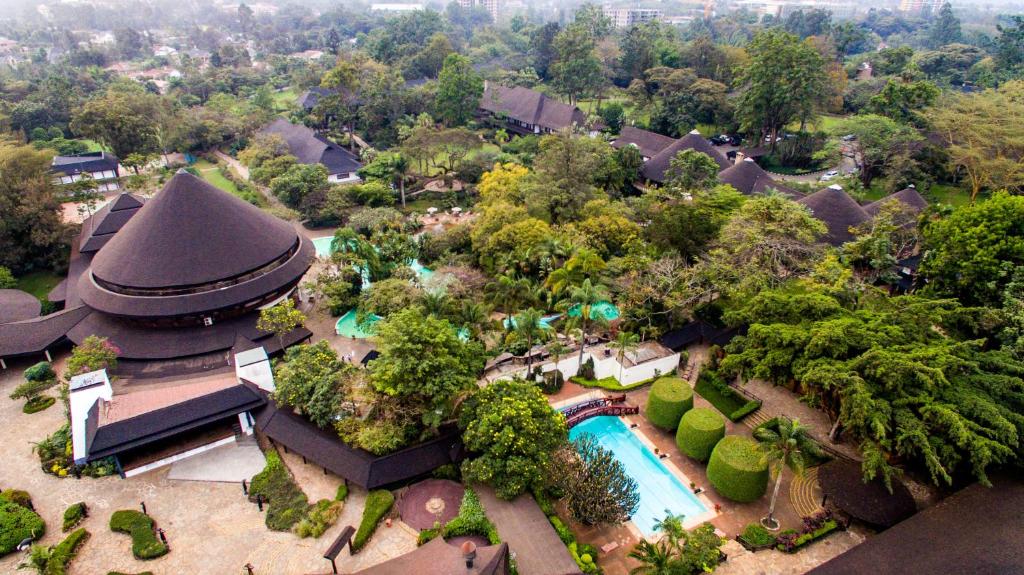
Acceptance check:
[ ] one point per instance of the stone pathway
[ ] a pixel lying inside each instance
(772, 562)
(228, 464)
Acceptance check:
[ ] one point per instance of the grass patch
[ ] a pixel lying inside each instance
(378, 503)
(74, 515)
(948, 194)
(471, 520)
(609, 383)
(285, 99)
(288, 504)
(725, 399)
(39, 283)
(145, 544)
(320, 517)
(754, 535)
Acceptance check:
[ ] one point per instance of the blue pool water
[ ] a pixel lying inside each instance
(659, 488)
(347, 325)
(605, 309)
(323, 246)
(323, 250)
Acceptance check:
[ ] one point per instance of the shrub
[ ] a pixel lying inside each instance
(145, 544)
(700, 429)
(320, 517)
(74, 515)
(669, 399)
(754, 535)
(32, 388)
(342, 493)
(737, 469)
(18, 523)
(288, 504)
(815, 527)
(564, 533)
(37, 404)
(378, 503)
(587, 369)
(41, 371)
(18, 497)
(727, 400)
(447, 471)
(552, 382)
(471, 520)
(62, 553)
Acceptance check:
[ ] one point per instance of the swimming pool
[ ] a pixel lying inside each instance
(607, 310)
(348, 327)
(543, 323)
(323, 250)
(659, 488)
(323, 246)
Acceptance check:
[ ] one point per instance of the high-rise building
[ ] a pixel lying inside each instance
(626, 17)
(920, 7)
(491, 6)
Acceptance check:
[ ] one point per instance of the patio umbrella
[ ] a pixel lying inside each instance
(431, 210)
(456, 210)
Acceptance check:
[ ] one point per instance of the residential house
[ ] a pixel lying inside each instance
(526, 111)
(308, 147)
(654, 170)
(102, 167)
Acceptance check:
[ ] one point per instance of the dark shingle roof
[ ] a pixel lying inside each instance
(531, 107)
(655, 168)
(649, 143)
(909, 196)
(327, 450)
(16, 305)
(838, 211)
(310, 148)
(87, 162)
(192, 233)
(749, 178)
(440, 558)
(171, 420)
(107, 221)
(36, 334)
(976, 531)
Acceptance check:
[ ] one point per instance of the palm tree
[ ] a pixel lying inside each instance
(436, 303)
(625, 342)
(584, 298)
(475, 316)
(784, 446)
(655, 558)
(528, 327)
(504, 291)
(399, 166)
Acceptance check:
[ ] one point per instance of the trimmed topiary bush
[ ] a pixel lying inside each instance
(74, 515)
(41, 371)
(37, 404)
(18, 523)
(145, 544)
(700, 429)
(378, 503)
(669, 399)
(737, 469)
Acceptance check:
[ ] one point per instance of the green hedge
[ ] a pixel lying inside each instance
(288, 504)
(737, 469)
(41, 371)
(37, 404)
(732, 404)
(145, 544)
(17, 497)
(62, 554)
(669, 399)
(74, 515)
(18, 523)
(378, 503)
(700, 429)
(319, 518)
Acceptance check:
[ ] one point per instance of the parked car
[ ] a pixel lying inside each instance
(735, 140)
(720, 140)
(829, 175)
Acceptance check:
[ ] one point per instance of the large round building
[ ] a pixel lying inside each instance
(182, 275)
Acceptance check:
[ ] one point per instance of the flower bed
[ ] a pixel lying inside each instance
(755, 538)
(815, 527)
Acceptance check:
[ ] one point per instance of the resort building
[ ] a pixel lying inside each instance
(176, 283)
(838, 211)
(525, 111)
(493, 7)
(102, 167)
(654, 170)
(308, 147)
(748, 178)
(649, 143)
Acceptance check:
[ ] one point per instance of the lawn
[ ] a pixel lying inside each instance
(93, 145)
(609, 383)
(823, 123)
(947, 194)
(284, 99)
(211, 173)
(39, 283)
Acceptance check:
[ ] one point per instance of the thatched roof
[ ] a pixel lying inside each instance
(974, 532)
(308, 147)
(749, 179)
(909, 196)
(843, 483)
(100, 227)
(650, 144)
(656, 167)
(530, 107)
(838, 211)
(36, 334)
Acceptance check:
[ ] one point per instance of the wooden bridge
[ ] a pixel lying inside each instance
(614, 405)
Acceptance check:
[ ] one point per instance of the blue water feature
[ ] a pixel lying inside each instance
(347, 325)
(323, 250)
(323, 246)
(543, 323)
(661, 491)
(605, 309)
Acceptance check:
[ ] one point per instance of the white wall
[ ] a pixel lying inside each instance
(605, 367)
(95, 385)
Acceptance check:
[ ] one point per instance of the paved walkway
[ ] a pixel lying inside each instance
(531, 539)
(772, 562)
(228, 464)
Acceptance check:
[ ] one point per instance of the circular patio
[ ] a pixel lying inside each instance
(429, 502)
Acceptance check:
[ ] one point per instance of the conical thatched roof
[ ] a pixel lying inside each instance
(909, 196)
(655, 168)
(838, 211)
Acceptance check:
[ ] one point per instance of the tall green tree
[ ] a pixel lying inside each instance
(598, 491)
(511, 433)
(945, 28)
(583, 298)
(459, 89)
(784, 80)
(32, 232)
(576, 70)
(625, 342)
(529, 328)
(281, 319)
(124, 119)
(691, 171)
(678, 551)
(880, 140)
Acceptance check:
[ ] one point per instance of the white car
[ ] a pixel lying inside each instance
(829, 175)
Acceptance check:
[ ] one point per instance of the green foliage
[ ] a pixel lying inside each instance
(93, 354)
(459, 89)
(737, 469)
(311, 378)
(18, 497)
(424, 363)
(700, 429)
(42, 371)
(73, 516)
(691, 171)
(145, 544)
(299, 182)
(723, 397)
(679, 550)
(597, 489)
(288, 504)
(471, 520)
(757, 536)
(60, 555)
(7, 281)
(378, 503)
(511, 431)
(587, 371)
(342, 493)
(280, 319)
(669, 399)
(37, 404)
(322, 515)
(32, 388)
(18, 523)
